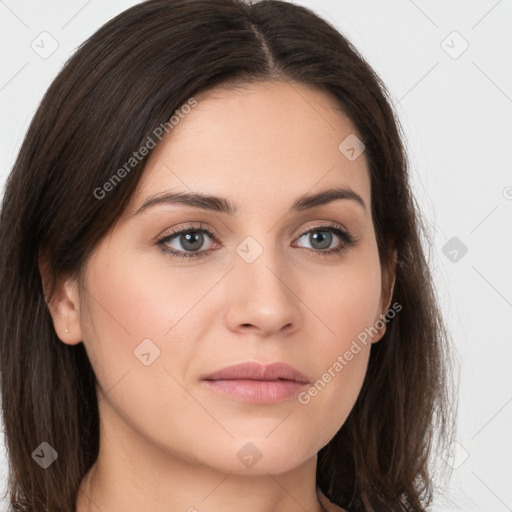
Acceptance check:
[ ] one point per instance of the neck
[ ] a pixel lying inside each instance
(132, 474)
(273, 493)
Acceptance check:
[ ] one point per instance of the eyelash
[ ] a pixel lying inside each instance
(347, 241)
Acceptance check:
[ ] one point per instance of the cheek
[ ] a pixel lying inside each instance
(347, 303)
(138, 298)
(346, 298)
(131, 316)
(131, 311)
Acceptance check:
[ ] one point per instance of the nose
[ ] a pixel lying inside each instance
(265, 296)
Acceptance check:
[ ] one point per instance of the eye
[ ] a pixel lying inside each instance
(321, 238)
(188, 241)
(190, 238)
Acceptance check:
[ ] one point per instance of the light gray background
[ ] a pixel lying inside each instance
(456, 111)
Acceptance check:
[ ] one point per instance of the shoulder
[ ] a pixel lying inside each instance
(329, 506)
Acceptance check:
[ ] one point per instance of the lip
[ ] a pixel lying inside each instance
(257, 383)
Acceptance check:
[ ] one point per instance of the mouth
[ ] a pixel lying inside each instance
(256, 383)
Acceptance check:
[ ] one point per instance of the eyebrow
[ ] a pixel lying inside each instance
(223, 205)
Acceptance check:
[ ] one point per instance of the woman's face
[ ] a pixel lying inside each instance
(260, 290)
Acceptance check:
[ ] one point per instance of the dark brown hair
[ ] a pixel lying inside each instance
(126, 80)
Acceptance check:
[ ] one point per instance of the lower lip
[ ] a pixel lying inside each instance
(257, 391)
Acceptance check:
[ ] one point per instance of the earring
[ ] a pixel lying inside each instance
(67, 330)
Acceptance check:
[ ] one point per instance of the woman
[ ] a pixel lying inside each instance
(214, 294)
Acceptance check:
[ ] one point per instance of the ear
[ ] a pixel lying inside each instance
(388, 285)
(63, 304)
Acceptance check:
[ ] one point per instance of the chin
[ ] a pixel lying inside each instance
(256, 456)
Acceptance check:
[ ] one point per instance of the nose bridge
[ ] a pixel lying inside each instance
(264, 296)
(260, 263)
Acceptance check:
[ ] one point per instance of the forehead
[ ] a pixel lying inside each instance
(257, 142)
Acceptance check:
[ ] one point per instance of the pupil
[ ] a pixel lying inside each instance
(193, 238)
(323, 244)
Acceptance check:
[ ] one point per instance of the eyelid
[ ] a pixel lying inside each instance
(187, 227)
(205, 227)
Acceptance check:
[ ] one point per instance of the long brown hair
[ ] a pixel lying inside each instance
(126, 80)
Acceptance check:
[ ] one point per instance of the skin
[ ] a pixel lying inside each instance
(167, 442)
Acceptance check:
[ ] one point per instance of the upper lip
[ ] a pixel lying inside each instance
(257, 371)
